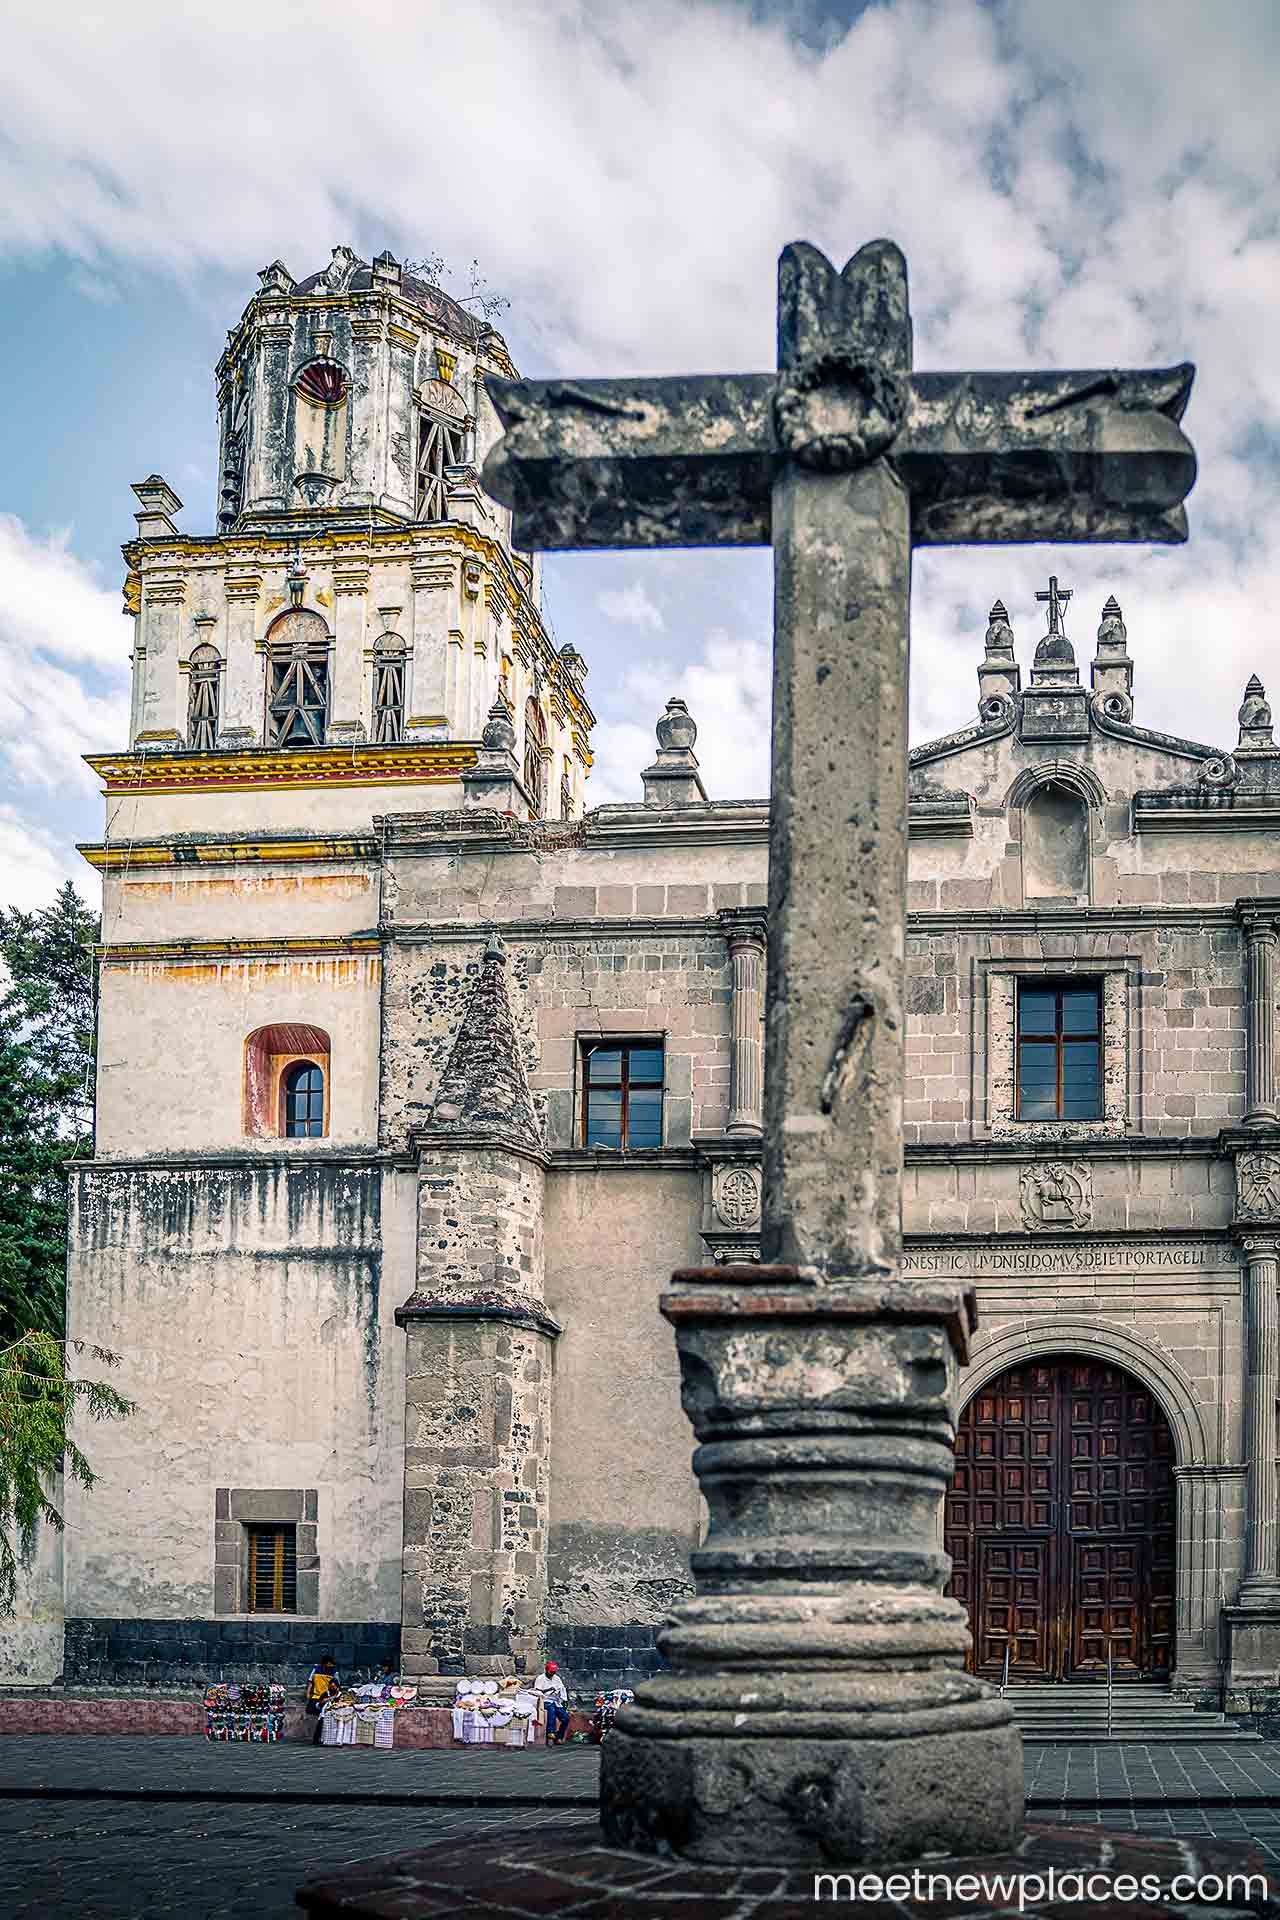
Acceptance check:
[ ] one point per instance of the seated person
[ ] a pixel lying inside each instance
(549, 1688)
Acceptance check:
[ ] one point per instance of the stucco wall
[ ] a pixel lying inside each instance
(625, 1509)
(31, 1636)
(171, 1049)
(256, 1335)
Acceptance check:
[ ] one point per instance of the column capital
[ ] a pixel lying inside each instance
(1258, 1244)
(744, 926)
(1259, 919)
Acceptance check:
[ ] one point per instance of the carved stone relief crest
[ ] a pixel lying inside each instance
(1258, 1186)
(737, 1196)
(1056, 1194)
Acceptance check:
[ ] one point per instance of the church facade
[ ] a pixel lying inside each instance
(417, 1078)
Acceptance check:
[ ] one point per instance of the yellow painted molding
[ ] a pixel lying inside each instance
(425, 763)
(134, 856)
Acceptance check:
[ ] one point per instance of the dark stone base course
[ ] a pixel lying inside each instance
(1256, 1708)
(573, 1872)
(188, 1653)
(597, 1656)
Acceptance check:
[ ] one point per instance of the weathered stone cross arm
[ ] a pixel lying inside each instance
(692, 460)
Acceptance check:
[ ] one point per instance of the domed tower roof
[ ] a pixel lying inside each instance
(431, 301)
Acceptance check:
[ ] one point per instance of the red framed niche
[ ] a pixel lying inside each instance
(269, 1055)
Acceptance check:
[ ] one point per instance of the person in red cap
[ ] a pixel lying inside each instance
(549, 1688)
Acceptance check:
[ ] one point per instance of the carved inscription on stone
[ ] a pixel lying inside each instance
(737, 1196)
(1056, 1194)
(1258, 1186)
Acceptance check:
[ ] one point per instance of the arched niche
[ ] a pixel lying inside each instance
(1055, 843)
(269, 1055)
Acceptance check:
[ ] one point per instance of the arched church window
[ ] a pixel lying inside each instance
(303, 1090)
(279, 1093)
(298, 684)
(536, 754)
(441, 444)
(1055, 844)
(203, 694)
(388, 688)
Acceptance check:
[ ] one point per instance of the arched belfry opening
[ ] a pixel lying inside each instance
(1061, 1524)
(1055, 844)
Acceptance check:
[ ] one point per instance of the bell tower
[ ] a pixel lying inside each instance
(359, 611)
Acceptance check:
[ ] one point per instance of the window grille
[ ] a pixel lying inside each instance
(303, 1101)
(622, 1094)
(388, 690)
(273, 1569)
(298, 699)
(1059, 1050)
(203, 697)
(440, 445)
(535, 758)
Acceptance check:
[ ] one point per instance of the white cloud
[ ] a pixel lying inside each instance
(1082, 185)
(633, 605)
(63, 693)
(727, 689)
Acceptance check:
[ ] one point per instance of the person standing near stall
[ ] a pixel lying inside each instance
(549, 1688)
(322, 1679)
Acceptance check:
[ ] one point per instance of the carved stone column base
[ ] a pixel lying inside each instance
(864, 1784)
(815, 1706)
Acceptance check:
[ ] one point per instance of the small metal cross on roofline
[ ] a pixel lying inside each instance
(816, 1680)
(1057, 597)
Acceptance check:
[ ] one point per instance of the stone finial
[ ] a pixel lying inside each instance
(1111, 673)
(1256, 734)
(1055, 661)
(673, 779)
(341, 270)
(498, 734)
(158, 502)
(999, 632)
(484, 1088)
(276, 278)
(572, 661)
(999, 676)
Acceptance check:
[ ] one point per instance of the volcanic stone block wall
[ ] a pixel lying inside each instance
(477, 1444)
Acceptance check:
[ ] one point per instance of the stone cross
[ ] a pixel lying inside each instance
(1057, 597)
(815, 1704)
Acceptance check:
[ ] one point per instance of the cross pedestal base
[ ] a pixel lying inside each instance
(815, 1706)
(882, 1784)
(542, 1866)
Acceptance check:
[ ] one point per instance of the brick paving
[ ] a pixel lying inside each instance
(222, 1833)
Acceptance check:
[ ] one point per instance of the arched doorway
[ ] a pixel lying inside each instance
(1061, 1523)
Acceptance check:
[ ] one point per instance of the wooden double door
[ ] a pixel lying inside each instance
(1061, 1524)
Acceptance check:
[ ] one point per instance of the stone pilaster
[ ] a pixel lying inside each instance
(426, 696)
(161, 719)
(1261, 1580)
(243, 713)
(346, 701)
(744, 930)
(1261, 942)
(478, 1361)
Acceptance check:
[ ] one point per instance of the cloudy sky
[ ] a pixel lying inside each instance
(1073, 186)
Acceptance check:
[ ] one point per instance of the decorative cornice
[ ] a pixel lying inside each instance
(134, 855)
(533, 1319)
(425, 763)
(1235, 812)
(202, 950)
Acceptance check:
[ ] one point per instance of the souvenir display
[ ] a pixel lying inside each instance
(251, 1712)
(607, 1705)
(498, 1713)
(363, 1716)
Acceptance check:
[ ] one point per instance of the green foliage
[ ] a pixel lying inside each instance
(39, 1398)
(46, 1100)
